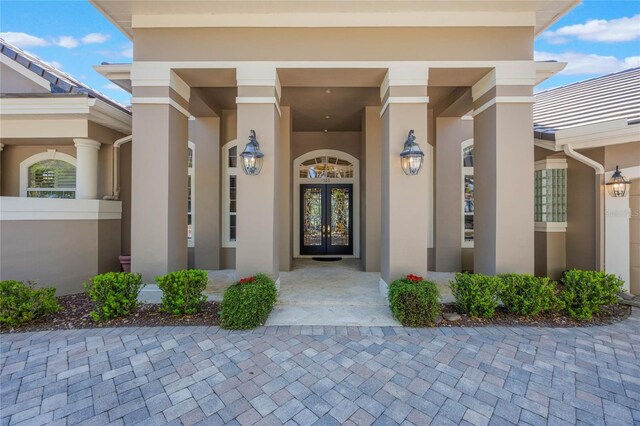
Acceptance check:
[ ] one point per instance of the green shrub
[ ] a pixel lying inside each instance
(182, 291)
(524, 294)
(476, 294)
(585, 292)
(20, 302)
(414, 301)
(247, 304)
(115, 294)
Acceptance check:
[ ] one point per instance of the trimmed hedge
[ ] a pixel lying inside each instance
(115, 294)
(414, 301)
(21, 303)
(476, 294)
(585, 292)
(526, 295)
(182, 291)
(247, 304)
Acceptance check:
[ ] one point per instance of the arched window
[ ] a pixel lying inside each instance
(467, 194)
(326, 167)
(48, 175)
(230, 193)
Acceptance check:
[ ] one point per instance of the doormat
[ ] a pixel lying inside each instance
(327, 259)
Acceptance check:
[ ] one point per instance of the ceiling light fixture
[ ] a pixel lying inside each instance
(327, 91)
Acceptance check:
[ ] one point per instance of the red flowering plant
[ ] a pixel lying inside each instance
(414, 278)
(247, 280)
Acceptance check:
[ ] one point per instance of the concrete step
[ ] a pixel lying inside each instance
(332, 315)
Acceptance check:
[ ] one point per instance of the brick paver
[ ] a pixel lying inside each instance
(323, 375)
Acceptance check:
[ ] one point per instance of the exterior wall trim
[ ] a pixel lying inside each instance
(504, 100)
(259, 100)
(551, 226)
(161, 101)
(551, 163)
(22, 208)
(403, 100)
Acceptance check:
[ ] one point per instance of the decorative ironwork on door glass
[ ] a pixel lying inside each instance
(340, 216)
(312, 227)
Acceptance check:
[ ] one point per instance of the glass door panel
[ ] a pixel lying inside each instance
(326, 217)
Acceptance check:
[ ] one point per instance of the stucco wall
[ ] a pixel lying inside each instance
(14, 82)
(13, 155)
(58, 253)
(303, 142)
(350, 44)
(581, 213)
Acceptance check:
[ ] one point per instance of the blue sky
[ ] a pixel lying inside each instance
(597, 37)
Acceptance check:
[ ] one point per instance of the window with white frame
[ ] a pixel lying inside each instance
(230, 193)
(467, 194)
(190, 193)
(49, 174)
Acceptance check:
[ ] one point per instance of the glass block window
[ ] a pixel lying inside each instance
(551, 195)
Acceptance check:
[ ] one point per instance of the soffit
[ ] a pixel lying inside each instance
(351, 12)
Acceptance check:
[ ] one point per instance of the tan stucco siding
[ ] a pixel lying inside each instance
(14, 82)
(335, 44)
(59, 253)
(581, 213)
(303, 142)
(634, 236)
(13, 155)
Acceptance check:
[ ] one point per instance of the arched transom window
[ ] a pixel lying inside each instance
(326, 167)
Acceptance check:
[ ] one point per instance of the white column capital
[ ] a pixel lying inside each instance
(86, 143)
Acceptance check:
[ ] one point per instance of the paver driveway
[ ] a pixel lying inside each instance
(323, 375)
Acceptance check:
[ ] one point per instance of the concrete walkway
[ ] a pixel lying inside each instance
(323, 375)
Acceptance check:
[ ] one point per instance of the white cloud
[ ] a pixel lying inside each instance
(111, 86)
(589, 64)
(23, 39)
(93, 38)
(66, 42)
(127, 52)
(600, 30)
(56, 65)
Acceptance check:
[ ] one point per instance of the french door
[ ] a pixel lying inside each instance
(326, 219)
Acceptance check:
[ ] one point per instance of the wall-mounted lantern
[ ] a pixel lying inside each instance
(252, 157)
(618, 184)
(411, 156)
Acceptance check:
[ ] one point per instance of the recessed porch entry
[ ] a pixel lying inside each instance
(326, 204)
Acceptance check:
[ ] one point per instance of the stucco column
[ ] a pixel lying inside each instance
(286, 196)
(257, 244)
(451, 133)
(405, 201)
(159, 183)
(206, 192)
(86, 168)
(504, 180)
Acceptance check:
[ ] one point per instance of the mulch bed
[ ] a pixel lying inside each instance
(608, 315)
(76, 308)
